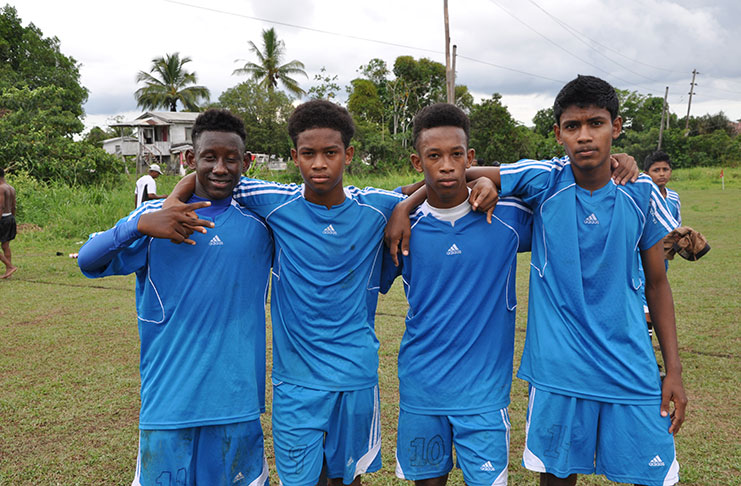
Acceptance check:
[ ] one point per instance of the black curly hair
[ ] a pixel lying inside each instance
(321, 114)
(657, 156)
(439, 115)
(586, 91)
(215, 120)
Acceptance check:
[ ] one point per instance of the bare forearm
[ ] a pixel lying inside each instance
(184, 188)
(661, 306)
(491, 173)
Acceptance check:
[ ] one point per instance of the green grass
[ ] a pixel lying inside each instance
(69, 382)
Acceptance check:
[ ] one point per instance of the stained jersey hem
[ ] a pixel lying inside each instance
(633, 400)
(278, 378)
(200, 423)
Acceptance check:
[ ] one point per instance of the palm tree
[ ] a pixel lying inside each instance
(268, 70)
(168, 84)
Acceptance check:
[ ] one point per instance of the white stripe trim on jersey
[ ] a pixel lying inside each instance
(146, 207)
(515, 203)
(149, 279)
(379, 249)
(374, 439)
(541, 272)
(298, 197)
(665, 218)
(509, 272)
(277, 259)
(248, 215)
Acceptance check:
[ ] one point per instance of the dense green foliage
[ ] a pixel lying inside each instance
(167, 83)
(265, 114)
(41, 104)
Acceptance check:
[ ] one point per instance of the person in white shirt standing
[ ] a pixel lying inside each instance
(146, 186)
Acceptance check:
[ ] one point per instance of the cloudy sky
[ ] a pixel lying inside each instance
(524, 49)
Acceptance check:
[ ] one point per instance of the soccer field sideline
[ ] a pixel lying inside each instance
(69, 363)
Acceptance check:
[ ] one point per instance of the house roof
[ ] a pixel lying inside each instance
(125, 139)
(152, 118)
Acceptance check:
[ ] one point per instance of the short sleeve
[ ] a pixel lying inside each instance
(527, 179)
(262, 197)
(517, 214)
(659, 221)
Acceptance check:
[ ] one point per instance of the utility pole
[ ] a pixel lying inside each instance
(452, 74)
(663, 117)
(448, 74)
(689, 104)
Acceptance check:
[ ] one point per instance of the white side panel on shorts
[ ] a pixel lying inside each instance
(399, 470)
(374, 441)
(501, 480)
(262, 479)
(530, 460)
(136, 481)
(672, 477)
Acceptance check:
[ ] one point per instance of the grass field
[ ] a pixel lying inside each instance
(69, 380)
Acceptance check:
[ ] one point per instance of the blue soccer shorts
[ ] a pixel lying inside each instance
(424, 446)
(626, 443)
(311, 427)
(213, 454)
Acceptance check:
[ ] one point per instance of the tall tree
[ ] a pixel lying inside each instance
(169, 83)
(265, 116)
(40, 107)
(268, 70)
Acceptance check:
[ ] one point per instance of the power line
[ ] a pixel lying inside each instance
(571, 29)
(301, 27)
(555, 44)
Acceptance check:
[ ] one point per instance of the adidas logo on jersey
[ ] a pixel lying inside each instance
(591, 219)
(656, 462)
(215, 241)
(329, 230)
(239, 477)
(487, 466)
(454, 250)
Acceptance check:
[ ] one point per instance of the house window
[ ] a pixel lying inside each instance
(148, 136)
(189, 134)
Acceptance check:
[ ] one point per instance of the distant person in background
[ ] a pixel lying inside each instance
(659, 167)
(146, 186)
(7, 223)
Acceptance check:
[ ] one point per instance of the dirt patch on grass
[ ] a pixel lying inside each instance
(29, 228)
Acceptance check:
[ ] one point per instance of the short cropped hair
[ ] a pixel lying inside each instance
(439, 115)
(586, 91)
(321, 114)
(2, 172)
(215, 120)
(657, 156)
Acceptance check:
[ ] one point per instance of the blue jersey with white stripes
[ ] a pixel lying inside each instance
(201, 315)
(672, 200)
(586, 333)
(456, 353)
(326, 273)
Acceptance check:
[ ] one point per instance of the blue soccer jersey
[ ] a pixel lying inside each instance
(456, 353)
(326, 274)
(586, 333)
(201, 314)
(672, 200)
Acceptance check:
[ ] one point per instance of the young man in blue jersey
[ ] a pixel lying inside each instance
(596, 400)
(659, 167)
(597, 404)
(455, 359)
(326, 276)
(201, 322)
